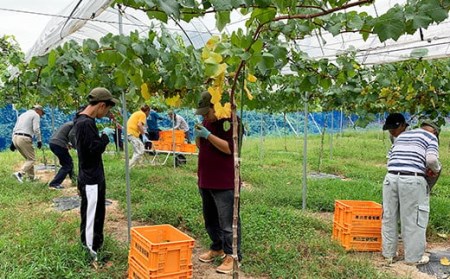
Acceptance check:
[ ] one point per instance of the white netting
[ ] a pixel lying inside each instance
(433, 42)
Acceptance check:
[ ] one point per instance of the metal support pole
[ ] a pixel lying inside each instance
(261, 150)
(305, 150)
(125, 128)
(331, 135)
(55, 170)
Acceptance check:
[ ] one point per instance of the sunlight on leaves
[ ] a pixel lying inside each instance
(251, 78)
(222, 111)
(174, 101)
(220, 70)
(216, 94)
(144, 91)
(249, 95)
(212, 42)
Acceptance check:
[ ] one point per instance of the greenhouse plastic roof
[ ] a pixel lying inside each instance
(434, 42)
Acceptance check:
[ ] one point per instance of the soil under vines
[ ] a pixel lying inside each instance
(116, 226)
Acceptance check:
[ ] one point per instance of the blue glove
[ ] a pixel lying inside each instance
(202, 132)
(108, 131)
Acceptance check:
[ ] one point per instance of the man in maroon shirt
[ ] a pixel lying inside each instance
(216, 183)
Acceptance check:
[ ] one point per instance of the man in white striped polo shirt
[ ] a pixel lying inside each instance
(405, 192)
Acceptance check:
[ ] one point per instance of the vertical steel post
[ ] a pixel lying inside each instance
(125, 143)
(305, 150)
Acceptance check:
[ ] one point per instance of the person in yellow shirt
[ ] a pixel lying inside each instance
(135, 128)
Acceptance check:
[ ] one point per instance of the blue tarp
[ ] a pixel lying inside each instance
(255, 123)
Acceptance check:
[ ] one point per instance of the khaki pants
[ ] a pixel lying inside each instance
(25, 146)
(138, 150)
(405, 198)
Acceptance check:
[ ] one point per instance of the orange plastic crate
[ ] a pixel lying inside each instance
(157, 144)
(176, 136)
(168, 146)
(161, 249)
(136, 271)
(357, 214)
(365, 239)
(187, 147)
(162, 145)
(177, 147)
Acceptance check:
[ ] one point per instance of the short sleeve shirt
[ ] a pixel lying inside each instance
(215, 168)
(132, 124)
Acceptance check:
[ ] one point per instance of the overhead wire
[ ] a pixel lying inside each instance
(69, 17)
(182, 29)
(328, 47)
(349, 41)
(367, 53)
(201, 38)
(114, 22)
(370, 51)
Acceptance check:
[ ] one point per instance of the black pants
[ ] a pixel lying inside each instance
(153, 135)
(218, 216)
(118, 136)
(92, 216)
(66, 162)
(186, 135)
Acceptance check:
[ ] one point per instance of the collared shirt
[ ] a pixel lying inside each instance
(29, 123)
(180, 123)
(152, 121)
(410, 151)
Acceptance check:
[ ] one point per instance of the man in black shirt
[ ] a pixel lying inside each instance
(60, 143)
(91, 175)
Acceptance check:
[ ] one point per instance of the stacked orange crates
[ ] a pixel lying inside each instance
(170, 136)
(167, 138)
(357, 225)
(160, 145)
(189, 148)
(160, 251)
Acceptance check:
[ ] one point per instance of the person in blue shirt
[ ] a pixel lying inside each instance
(152, 125)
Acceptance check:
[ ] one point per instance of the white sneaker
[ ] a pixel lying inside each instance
(18, 176)
(424, 260)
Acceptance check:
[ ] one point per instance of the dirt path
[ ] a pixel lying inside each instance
(399, 268)
(117, 226)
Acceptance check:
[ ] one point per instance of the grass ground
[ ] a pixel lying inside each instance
(280, 240)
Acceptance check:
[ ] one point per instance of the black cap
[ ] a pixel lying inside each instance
(394, 120)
